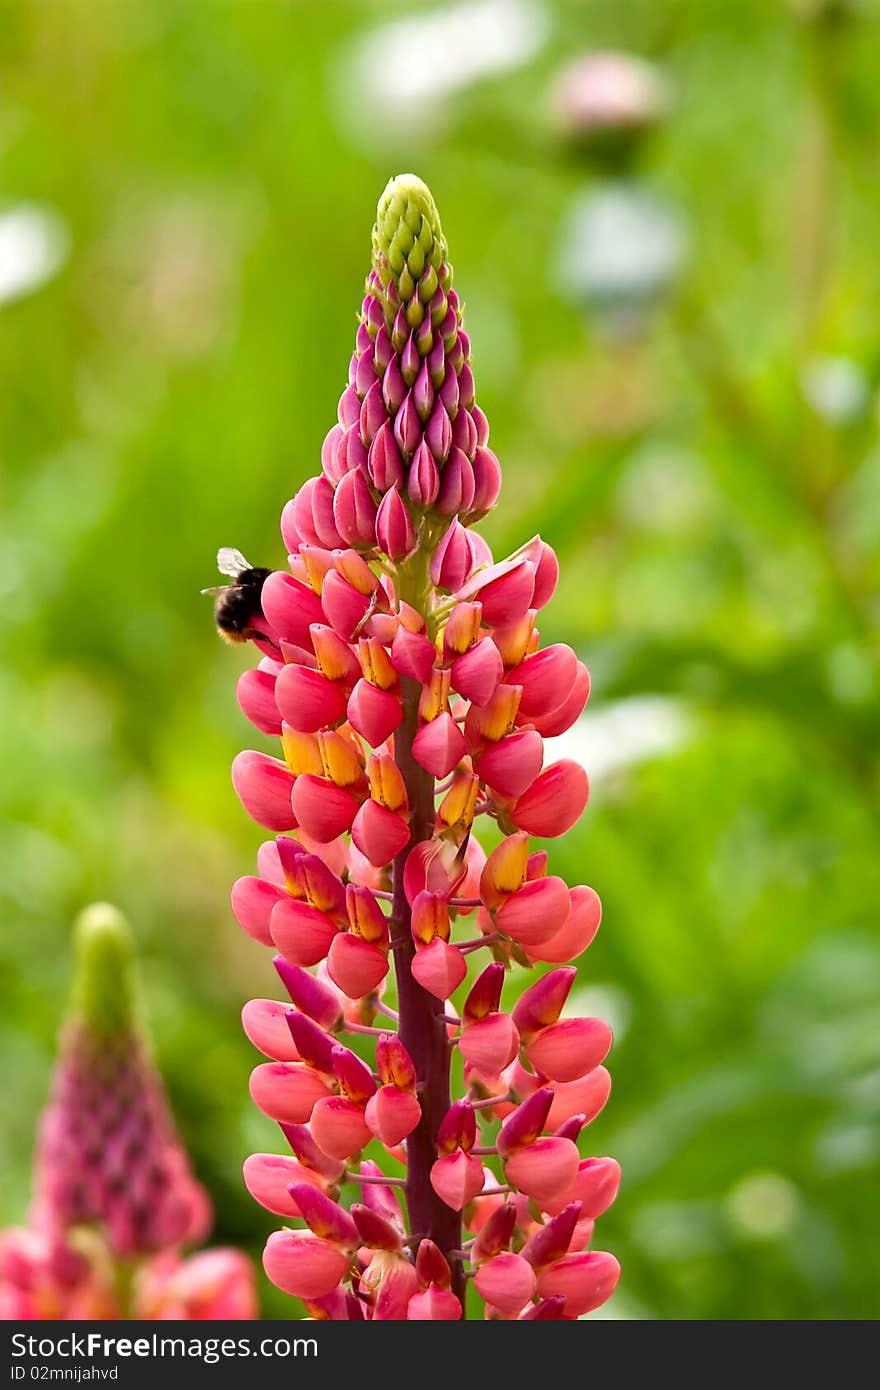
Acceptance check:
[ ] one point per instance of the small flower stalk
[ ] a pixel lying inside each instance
(115, 1199)
(402, 671)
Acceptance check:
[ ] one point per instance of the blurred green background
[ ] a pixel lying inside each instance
(676, 339)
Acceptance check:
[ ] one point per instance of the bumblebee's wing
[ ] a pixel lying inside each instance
(218, 589)
(231, 562)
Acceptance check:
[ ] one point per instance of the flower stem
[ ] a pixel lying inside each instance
(422, 1030)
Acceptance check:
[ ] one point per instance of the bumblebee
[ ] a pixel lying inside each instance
(237, 605)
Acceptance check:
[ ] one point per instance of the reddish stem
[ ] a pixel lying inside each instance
(422, 1030)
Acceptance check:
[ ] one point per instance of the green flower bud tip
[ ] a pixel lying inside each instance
(408, 243)
(103, 995)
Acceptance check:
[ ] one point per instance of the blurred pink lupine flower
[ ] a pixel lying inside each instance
(114, 1196)
(412, 696)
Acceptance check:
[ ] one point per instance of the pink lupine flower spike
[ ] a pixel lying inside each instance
(412, 698)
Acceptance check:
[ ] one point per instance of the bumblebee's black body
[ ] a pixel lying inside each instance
(238, 605)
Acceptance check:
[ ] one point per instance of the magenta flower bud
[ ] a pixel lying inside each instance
(413, 654)
(355, 511)
(352, 456)
(265, 787)
(373, 413)
(551, 1241)
(564, 715)
(303, 1264)
(408, 427)
(495, 1236)
(487, 480)
(255, 692)
(301, 514)
(383, 349)
(373, 712)
(485, 994)
(543, 557)
(434, 1305)
(380, 1197)
(457, 485)
(268, 1177)
(432, 1266)
(511, 765)
(439, 745)
(453, 560)
(567, 1049)
(358, 967)
(410, 361)
(458, 1128)
(438, 431)
(252, 902)
(313, 1045)
(301, 1140)
(373, 1229)
(332, 469)
(394, 526)
(572, 1127)
(457, 1178)
(525, 1123)
(349, 407)
(543, 1168)
(464, 433)
(507, 1282)
(449, 396)
(287, 1090)
(321, 499)
(290, 607)
(339, 1127)
(302, 933)
(534, 912)
(354, 1076)
(423, 484)
(309, 995)
(393, 387)
(543, 1002)
(392, 1114)
(423, 393)
(439, 968)
(584, 1281)
(265, 1025)
(384, 464)
(546, 1310)
(345, 606)
(554, 801)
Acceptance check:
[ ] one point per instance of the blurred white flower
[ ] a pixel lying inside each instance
(624, 733)
(622, 246)
(763, 1206)
(837, 388)
(34, 244)
(402, 71)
